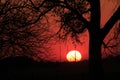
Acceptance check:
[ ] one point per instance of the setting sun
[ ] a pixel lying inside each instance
(74, 56)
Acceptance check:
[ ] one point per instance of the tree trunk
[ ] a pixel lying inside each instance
(95, 57)
(95, 42)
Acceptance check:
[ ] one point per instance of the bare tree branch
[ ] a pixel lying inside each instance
(20, 30)
(108, 26)
(113, 42)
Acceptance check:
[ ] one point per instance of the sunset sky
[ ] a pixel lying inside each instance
(108, 7)
(50, 24)
(49, 39)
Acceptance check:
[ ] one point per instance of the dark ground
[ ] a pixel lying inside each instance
(21, 68)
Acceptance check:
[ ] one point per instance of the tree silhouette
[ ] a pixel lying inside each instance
(71, 14)
(20, 30)
(111, 45)
(73, 22)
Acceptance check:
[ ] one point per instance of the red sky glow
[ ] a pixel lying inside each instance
(60, 49)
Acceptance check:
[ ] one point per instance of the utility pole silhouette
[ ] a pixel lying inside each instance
(60, 53)
(75, 53)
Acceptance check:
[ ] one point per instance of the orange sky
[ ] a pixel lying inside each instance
(107, 9)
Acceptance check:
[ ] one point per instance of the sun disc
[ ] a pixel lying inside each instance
(74, 56)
